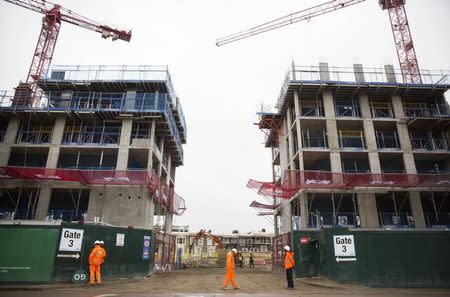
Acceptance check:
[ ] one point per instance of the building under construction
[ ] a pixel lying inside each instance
(354, 147)
(95, 143)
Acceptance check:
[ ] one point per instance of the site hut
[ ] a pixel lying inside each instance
(95, 143)
(355, 147)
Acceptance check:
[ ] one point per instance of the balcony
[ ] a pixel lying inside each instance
(422, 110)
(346, 108)
(381, 109)
(92, 135)
(387, 140)
(314, 139)
(351, 139)
(35, 136)
(428, 141)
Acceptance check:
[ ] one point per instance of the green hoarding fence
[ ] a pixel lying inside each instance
(27, 253)
(384, 258)
(31, 253)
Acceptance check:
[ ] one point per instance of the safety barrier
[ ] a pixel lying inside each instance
(161, 193)
(294, 180)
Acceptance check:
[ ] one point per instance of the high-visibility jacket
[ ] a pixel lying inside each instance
(104, 254)
(97, 255)
(289, 261)
(230, 261)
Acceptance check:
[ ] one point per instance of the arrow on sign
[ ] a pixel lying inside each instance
(76, 256)
(345, 259)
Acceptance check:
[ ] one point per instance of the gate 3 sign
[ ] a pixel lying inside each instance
(71, 240)
(344, 246)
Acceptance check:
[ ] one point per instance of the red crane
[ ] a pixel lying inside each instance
(397, 15)
(54, 14)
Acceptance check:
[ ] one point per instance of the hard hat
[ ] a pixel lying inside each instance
(102, 242)
(287, 248)
(96, 242)
(234, 250)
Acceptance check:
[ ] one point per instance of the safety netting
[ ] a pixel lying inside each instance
(294, 180)
(161, 192)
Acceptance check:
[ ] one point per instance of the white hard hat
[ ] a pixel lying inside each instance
(234, 250)
(287, 248)
(102, 242)
(97, 242)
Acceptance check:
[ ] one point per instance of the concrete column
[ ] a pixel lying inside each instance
(403, 136)
(124, 144)
(55, 145)
(159, 171)
(324, 71)
(10, 138)
(152, 141)
(332, 133)
(130, 101)
(43, 202)
(304, 215)
(369, 134)
(298, 131)
(359, 72)
(286, 218)
(290, 138)
(416, 209)
(367, 209)
(390, 73)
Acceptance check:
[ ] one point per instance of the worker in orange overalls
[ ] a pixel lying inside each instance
(230, 276)
(289, 264)
(96, 258)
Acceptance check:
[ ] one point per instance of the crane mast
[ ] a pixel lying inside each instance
(54, 14)
(397, 16)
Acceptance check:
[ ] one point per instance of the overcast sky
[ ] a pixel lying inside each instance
(221, 87)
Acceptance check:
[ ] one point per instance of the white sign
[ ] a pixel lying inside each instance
(344, 246)
(120, 239)
(71, 240)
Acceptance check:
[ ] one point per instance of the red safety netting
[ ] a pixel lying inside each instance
(161, 193)
(294, 180)
(256, 204)
(270, 189)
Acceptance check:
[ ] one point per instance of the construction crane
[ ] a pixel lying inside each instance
(54, 14)
(399, 24)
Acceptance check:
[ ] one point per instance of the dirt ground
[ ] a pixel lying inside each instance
(208, 282)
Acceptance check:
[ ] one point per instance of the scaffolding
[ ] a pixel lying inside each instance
(161, 193)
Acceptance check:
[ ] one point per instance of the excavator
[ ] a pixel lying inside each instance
(218, 242)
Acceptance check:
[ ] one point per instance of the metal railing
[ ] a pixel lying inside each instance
(101, 135)
(432, 110)
(429, 144)
(112, 73)
(351, 142)
(387, 141)
(34, 137)
(346, 110)
(315, 141)
(311, 112)
(326, 219)
(372, 75)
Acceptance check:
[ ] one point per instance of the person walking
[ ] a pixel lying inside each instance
(251, 261)
(96, 258)
(230, 276)
(289, 264)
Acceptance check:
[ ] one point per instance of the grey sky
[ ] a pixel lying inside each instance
(220, 87)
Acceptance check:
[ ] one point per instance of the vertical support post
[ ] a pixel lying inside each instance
(55, 145)
(124, 144)
(9, 139)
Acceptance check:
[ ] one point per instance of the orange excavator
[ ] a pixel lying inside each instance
(218, 242)
(204, 234)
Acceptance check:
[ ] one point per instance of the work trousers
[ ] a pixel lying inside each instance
(230, 276)
(252, 264)
(94, 272)
(289, 278)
